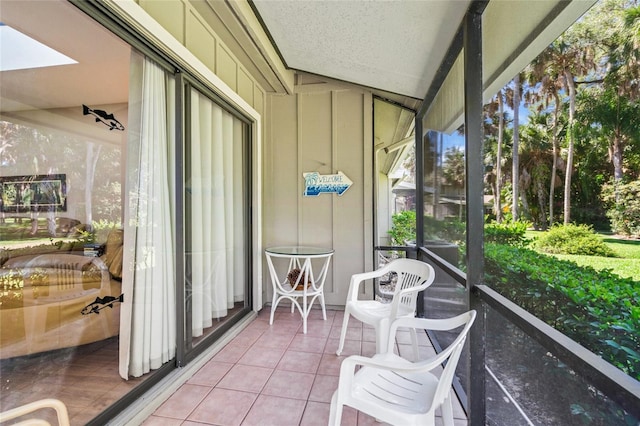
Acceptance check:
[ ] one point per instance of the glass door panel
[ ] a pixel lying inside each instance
(216, 225)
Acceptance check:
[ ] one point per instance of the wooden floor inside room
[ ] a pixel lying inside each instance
(84, 378)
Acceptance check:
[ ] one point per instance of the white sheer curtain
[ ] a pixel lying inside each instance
(215, 185)
(148, 319)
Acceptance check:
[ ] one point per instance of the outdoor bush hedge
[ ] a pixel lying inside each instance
(598, 309)
(404, 227)
(623, 202)
(572, 239)
(511, 233)
(450, 229)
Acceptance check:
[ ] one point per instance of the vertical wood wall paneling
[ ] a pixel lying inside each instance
(259, 99)
(245, 86)
(325, 131)
(368, 143)
(226, 67)
(350, 209)
(314, 154)
(298, 165)
(200, 39)
(281, 183)
(186, 24)
(335, 167)
(171, 15)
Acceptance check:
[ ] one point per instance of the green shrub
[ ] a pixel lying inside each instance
(403, 229)
(623, 207)
(572, 239)
(510, 233)
(454, 230)
(598, 309)
(450, 229)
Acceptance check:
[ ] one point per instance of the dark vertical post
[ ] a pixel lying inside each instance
(436, 148)
(419, 179)
(419, 170)
(179, 220)
(472, 42)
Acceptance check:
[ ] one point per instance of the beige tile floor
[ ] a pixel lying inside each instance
(276, 375)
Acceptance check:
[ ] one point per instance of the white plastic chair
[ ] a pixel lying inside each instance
(413, 276)
(397, 391)
(24, 410)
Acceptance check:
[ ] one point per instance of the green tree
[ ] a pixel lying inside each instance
(536, 158)
(513, 100)
(616, 117)
(567, 58)
(611, 103)
(546, 78)
(498, 197)
(494, 131)
(592, 171)
(453, 171)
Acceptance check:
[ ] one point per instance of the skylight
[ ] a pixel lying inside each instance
(19, 51)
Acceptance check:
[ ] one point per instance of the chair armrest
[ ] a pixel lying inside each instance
(439, 324)
(57, 405)
(442, 324)
(390, 362)
(357, 279)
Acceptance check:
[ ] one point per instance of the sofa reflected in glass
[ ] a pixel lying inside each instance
(56, 298)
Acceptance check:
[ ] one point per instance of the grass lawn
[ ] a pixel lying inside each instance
(626, 264)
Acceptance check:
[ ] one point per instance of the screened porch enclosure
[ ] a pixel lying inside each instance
(225, 110)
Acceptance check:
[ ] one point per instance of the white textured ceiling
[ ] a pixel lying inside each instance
(395, 46)
(99, 77)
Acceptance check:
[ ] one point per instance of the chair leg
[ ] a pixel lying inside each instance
(447, 411)
(343, 332)
(324, 311)
(273, 308)
(305, 314)
(382, 336)
(335, 412)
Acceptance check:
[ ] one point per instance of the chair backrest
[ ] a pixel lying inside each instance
(413, 277)
(450, 355)
(454, 350)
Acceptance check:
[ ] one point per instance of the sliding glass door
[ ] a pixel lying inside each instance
(124, 213)
(216, 216)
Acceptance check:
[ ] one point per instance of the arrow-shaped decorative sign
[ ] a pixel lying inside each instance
(315, 183)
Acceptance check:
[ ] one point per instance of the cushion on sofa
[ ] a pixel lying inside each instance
(50, 260)
(113, 253)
